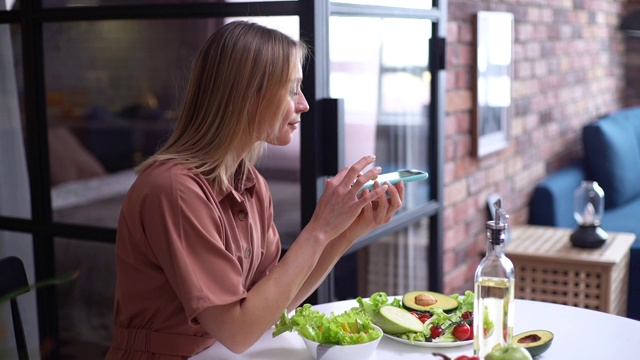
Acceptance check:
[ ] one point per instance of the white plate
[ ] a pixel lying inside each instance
(430, 344)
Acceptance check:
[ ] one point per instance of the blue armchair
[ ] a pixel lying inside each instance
(612, 158)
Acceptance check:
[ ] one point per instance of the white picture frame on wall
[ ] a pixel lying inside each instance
(494, 79)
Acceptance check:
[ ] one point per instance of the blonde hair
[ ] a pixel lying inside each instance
(234, 101)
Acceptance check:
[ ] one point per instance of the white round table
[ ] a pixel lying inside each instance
(579, 334)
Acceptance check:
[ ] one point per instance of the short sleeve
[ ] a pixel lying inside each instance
(185, 230)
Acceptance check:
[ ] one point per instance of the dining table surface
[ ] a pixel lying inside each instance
(579, 334)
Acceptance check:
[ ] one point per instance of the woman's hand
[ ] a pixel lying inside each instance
(340, 204)
(375, 213)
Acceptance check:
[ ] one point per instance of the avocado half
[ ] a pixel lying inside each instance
(535, 341)
(425, 300)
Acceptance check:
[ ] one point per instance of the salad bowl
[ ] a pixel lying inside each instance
(341, 352)
(348, 335)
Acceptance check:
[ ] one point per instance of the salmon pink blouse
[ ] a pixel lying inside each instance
(182, 247)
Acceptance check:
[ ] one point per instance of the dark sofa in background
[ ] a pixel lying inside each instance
(612, 158)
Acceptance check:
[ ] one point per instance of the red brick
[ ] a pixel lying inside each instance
(450, 153)
(466, 32)
(449, 217)
(448, 261)
(451, 125)
(459, 100)
(463, 122)
(463, 145)
(464, 79)
(455, 280)
(477, 181)
(452, 32)
(464, 167)
(455, 192)
(455, 236)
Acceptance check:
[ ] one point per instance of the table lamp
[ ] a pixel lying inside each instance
(588, 208)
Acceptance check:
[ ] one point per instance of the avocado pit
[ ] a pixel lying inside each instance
(529, 339)
(535, 341)
(425, 300)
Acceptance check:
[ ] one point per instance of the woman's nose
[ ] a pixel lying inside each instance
(302, 105)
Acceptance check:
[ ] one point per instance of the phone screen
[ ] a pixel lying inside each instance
(396, 175)
(406, 175)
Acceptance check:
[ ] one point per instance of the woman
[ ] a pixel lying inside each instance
(197, 250)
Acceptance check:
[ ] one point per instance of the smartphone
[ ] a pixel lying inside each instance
(406, 175)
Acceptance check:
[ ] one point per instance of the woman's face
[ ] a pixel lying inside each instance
(296, 105)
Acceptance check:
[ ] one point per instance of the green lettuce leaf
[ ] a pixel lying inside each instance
(350, 327)
(465, 303)
(375, 302)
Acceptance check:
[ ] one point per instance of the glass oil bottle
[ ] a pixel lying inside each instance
(494, 289)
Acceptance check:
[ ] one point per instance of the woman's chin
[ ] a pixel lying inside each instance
(280, 141)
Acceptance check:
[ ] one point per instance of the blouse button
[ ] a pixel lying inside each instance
(247, 252)
(242, 215)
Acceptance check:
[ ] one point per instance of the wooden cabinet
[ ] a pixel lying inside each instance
(549, 269)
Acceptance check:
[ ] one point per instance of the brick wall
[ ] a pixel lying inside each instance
(569, 69)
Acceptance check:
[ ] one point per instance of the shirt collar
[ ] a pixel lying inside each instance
(247, 186)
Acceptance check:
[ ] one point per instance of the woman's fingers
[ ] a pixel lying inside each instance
(396, 196)
(368, 208)
(353, 175)
(388, 203)
(379, 190)
(363, 178)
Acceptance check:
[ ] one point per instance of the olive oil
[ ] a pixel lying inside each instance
(493, 313)
(493, 317)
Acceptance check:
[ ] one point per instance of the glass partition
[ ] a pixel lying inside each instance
(396, 263)
(379, 66)
(15, 199)
(69, 3)
(8, 5)
(19, 245)
(85, 304)
(113, 92)
(414, 4)
(110, 90)
(112, 96)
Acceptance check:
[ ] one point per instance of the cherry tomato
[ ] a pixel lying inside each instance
(470, 337)
(435, 331)
(462, 357)
(461, 331)
(424, 317)
(467, 315)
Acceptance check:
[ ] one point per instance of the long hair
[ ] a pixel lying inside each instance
(236, 96)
